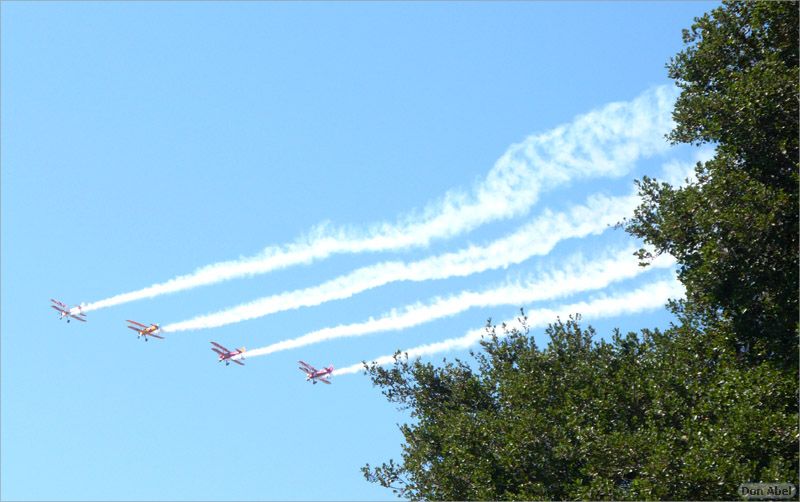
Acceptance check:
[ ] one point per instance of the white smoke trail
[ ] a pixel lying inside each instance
(648, 297)
(679, 173)
(578, 276)
(605, 142)
(536, 238)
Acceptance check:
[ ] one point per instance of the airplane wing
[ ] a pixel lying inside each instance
(58, 302)
(307, 366)
(161, 337)
(238, 362)
(304, 370)
(220, 346)
(218, 351)
(59, 309)
(78, 318)
(136, 323)
(323, 380)
(135, 329)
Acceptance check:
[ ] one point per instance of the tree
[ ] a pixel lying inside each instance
(653, 416)
(735, 230)
(688, 413)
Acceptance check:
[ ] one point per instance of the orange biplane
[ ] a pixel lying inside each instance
(144, 331)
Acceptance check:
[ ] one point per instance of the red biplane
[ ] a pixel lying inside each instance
(314, 374)
(228, 355)
(145, 331)
(69, 313)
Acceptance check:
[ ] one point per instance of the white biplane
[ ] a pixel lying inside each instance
(68, 312)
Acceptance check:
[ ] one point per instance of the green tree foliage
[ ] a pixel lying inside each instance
(688, 413)
(662, 415)
(735, 230)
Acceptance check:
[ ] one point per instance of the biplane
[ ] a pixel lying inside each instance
(68, 312)
(228, 355)
(145, 331)
(314, 374)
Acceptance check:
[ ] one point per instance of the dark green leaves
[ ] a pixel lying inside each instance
(735, 230)
(648, 416)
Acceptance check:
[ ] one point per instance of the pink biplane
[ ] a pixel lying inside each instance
(314, 374)
(69, 313)
(228, 355)
(144, 331)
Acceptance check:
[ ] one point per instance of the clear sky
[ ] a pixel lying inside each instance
(339, 160)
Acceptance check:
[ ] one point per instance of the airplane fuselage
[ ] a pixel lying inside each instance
(318, 374)
(230, 357)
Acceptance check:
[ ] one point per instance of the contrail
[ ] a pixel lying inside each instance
(605, 142)
(678, 173)
(536, 238)
(578, 276)
(648, 297)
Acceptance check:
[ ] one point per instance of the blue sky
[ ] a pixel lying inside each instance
(144, 141)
